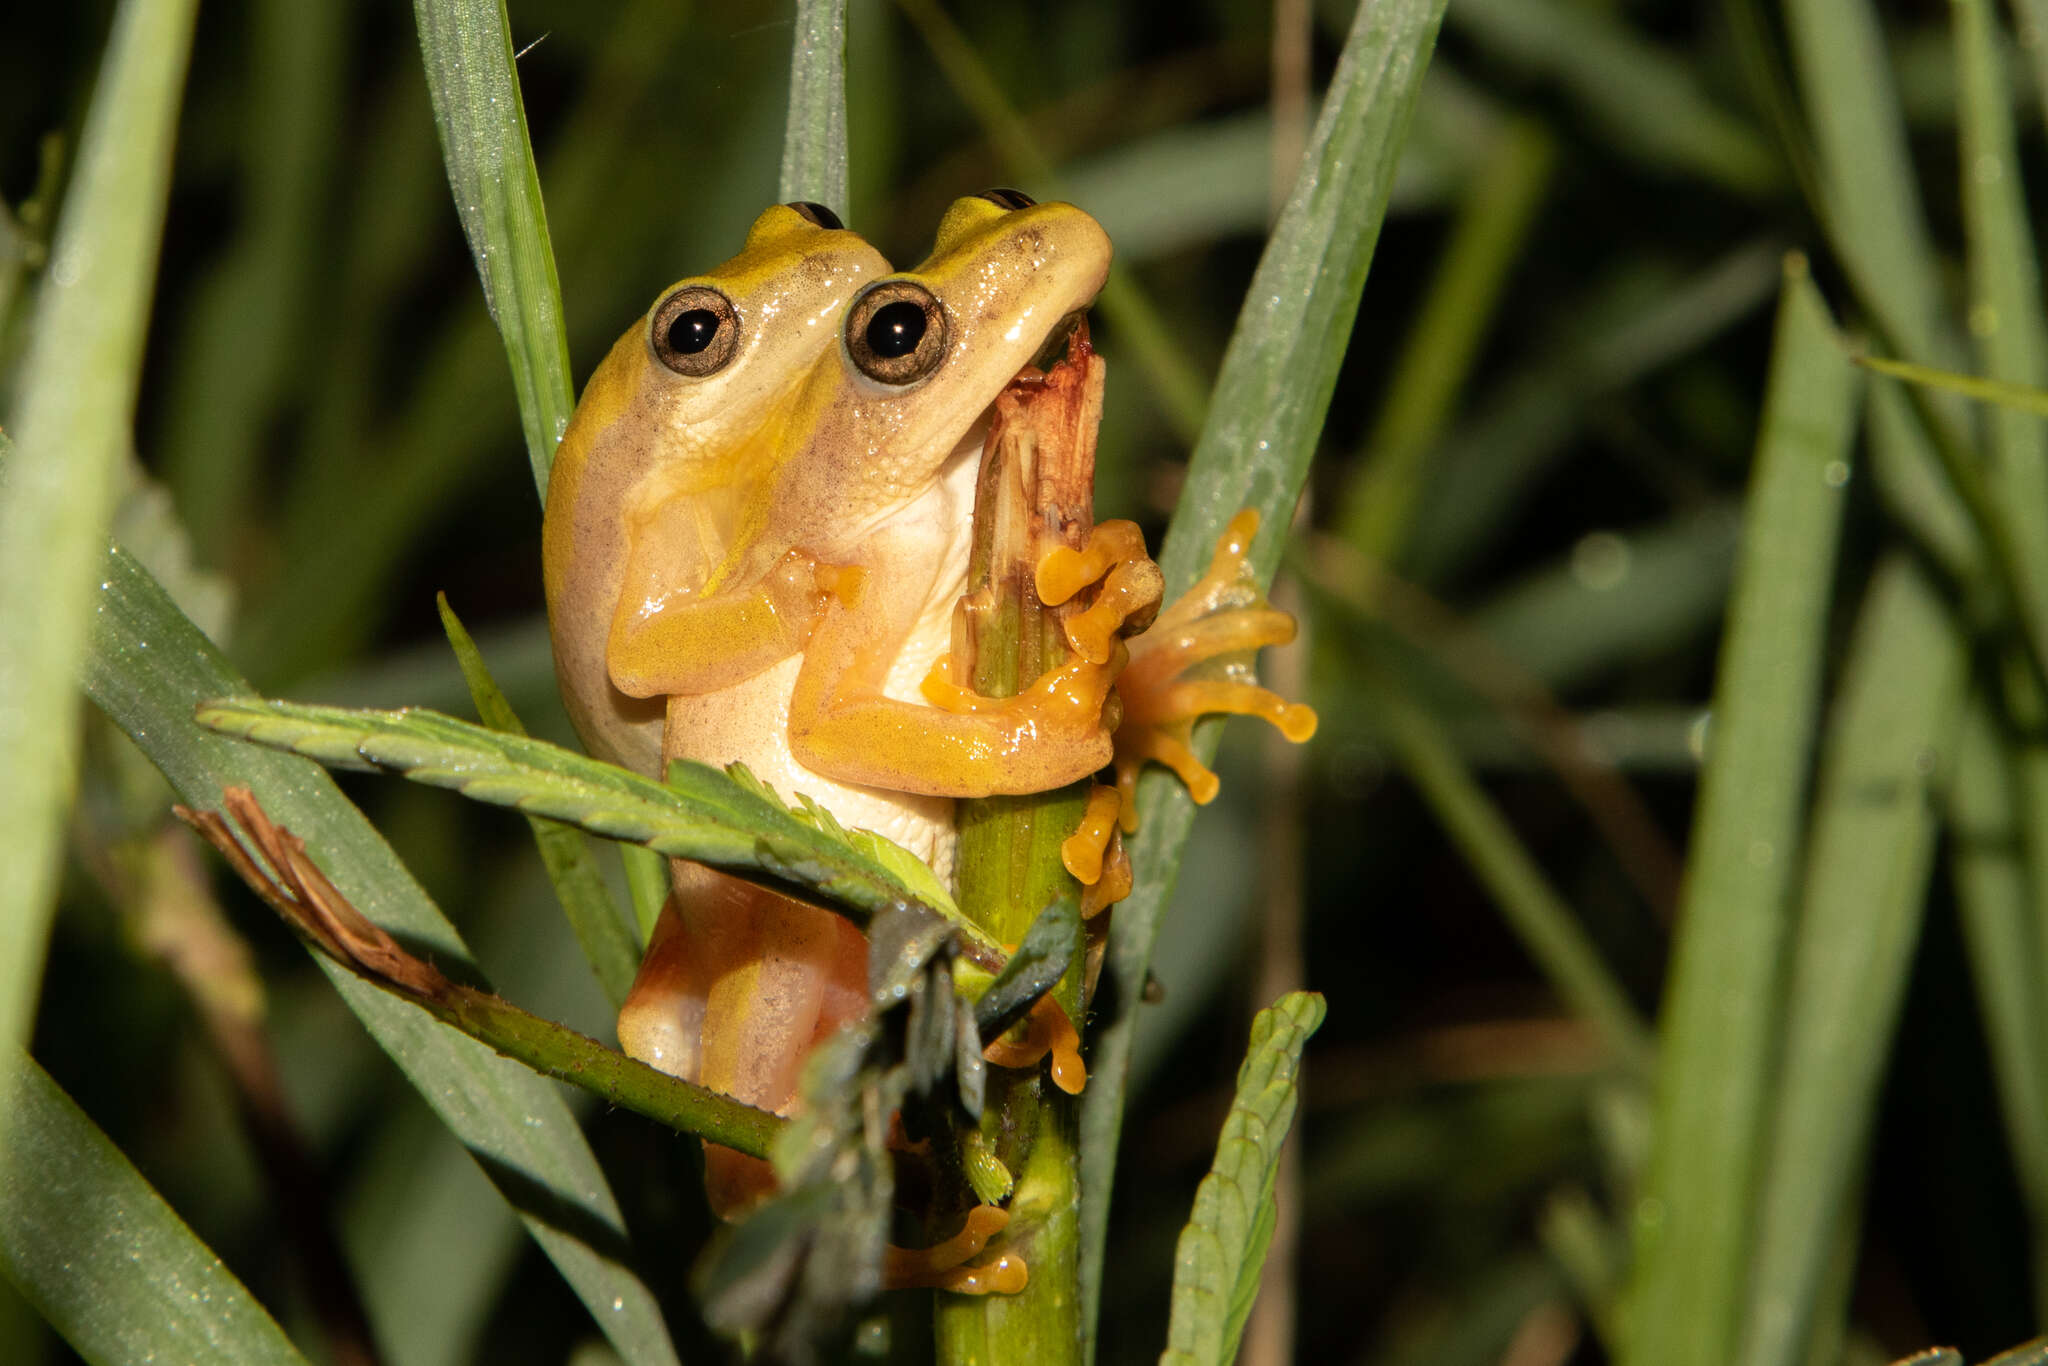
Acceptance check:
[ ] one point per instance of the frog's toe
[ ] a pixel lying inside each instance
(945, 1265)
(1196, 661)
(1045, 1031)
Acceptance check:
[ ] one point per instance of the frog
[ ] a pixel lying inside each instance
(756, 538)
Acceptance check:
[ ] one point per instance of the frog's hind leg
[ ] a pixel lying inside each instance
(1196, 661)
(737, 986)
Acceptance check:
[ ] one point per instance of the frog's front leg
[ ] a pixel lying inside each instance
(666, 642)
(843, 724)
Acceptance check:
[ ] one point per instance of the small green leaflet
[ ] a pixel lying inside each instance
(700, 813)
(1223, 1248)
(906, 867)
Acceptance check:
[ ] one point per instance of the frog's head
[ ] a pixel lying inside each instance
(924, 353)
(691, 401)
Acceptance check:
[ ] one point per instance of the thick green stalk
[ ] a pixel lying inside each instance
(1010, 869)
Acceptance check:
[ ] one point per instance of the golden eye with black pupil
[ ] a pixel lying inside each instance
(896, 332)
(817, 215)
(695, 331)
(1007, 199)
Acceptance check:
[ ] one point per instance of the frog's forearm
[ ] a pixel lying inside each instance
(694, 646)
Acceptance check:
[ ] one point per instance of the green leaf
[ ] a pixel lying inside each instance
(1874, 827)
(1223, 1248)
(912, 872)
(1255, 449)
(814, 141)
(1034, 969)
(700, 813)
(466, 46)
(101, 1256)
(599, 925)
(147, 668)
(1721, 1007)
(72, 422)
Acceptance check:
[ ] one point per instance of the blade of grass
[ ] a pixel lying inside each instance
(1532, 908)
(1175, 380)
(1693, 1220)
(1643, 98)
(466, 46)
(1268, 410)
(1994, 898)
(147, 668)
(814, 143)
(1485, 468)
(101, 1256)
(1494, 216)
(73, 426)
(613, 953)
(234, 356)
(1874, 827)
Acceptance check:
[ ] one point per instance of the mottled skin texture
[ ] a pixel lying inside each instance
(761, 565)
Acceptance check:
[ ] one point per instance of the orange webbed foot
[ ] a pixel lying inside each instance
(1196, 661)
(1047, 1030)
(944, 1265)
(1131, 586)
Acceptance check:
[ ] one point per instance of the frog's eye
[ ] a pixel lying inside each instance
(817, 215)
(1007, 199)
(896, 332)
(695, 331)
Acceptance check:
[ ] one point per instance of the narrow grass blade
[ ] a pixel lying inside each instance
(1485, 468)
(1176, 382)
(1494, 218)
(1617, 598)
(235, 357)
(729, 821)
(1874, 827)
(1643, 98)
(2017, 398)
(467, 48)
(1222, 1249)
(1994, 899)
(1255, 449)
(611, 949)
(1721, 1003)
(147, 668)
(814, 143)
(57, 486)
(1871, 209)
(1532, 908)
(101, 1256)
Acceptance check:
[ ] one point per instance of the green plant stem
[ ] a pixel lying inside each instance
(1010, 869)
(560, 1052)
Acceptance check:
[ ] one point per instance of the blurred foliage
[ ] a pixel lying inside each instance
(1523, 527)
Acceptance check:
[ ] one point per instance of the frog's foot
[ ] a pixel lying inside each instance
(1128, 598)
(1196, 661)
(1094, 853)
(944, 1266)
(1065, 703)
(1046, 1030)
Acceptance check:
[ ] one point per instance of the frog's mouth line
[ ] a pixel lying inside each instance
(1054, 347)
